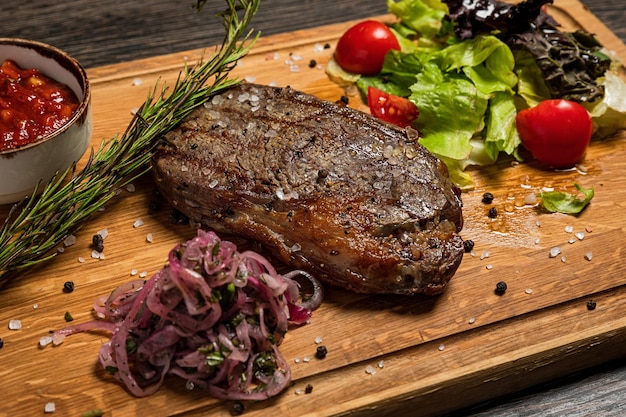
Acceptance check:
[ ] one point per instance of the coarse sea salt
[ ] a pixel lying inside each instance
(45, 341)
(49, 408)
(15, 324)
(555, 251)
(138, 223)
(70, 240)
(370, 370)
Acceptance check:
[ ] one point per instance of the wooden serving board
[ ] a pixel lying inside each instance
(430, 354)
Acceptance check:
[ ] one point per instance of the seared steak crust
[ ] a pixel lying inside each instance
(326, 188)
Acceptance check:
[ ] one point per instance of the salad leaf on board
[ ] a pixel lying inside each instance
(562, 202)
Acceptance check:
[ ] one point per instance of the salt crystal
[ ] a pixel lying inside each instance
(381, 364)
(15, 324)
(61, 249)
(441, 347)
(149, 238)
(571, 241)
(569, 229)
(369, 369)
(555, 251)
(45, 341)
(49, 408)
(528, 290)
(57, 339)
(489, 267)
(95, 254)
(563, 259)
(143, 274)
(130, 188)
(318, 340)
(588, 256)
(104, 233)
(299, 391)
(190, 385)
(137, 81)
(70, 240)
(579, 235)
(138, 223)
(537, 240)
(485, 254)
(81, 260)
(35, 306)
(306, 359)
(134, 272)
(296, 360)
(472, 320)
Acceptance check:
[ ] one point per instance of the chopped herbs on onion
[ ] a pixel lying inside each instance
(212, 316)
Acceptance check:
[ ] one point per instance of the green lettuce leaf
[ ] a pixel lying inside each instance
(562, 202)
(422, 16)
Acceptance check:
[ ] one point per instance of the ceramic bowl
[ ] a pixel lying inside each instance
(23, 168)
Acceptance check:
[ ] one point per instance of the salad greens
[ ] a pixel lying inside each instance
(562, 202)
(471, 65)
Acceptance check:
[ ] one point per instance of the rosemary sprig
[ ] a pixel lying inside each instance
(37, 225)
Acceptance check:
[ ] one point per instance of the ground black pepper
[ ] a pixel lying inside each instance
(591, 305)
(68, 286)
(321, 352)
(487, 198)
(468, 245)
(493, 212)
(501, 288)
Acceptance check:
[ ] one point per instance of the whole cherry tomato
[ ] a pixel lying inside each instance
(390, 108)
(557, 132)
(362, 49)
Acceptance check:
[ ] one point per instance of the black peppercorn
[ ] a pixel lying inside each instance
(308, 389)
(321, 352)
(237, 409)
(487, 198)
(591, 305)
(493, 212)
(312, 63)
(501, 288)
(345, 99)
(468, 245)
(1, 343)
(68, 287)
(97, 242)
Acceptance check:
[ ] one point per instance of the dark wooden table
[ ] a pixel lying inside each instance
(107, 32)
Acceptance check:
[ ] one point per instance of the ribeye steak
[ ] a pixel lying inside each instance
(326, 188)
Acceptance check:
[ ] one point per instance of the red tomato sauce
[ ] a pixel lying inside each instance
(32, 105)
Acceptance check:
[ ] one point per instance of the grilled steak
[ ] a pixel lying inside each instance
(326, 188)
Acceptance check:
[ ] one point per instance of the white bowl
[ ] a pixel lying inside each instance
(23, 168)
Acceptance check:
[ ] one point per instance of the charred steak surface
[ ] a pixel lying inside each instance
(326, 188)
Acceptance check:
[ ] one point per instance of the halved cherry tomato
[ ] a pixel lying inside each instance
(557, 132)
(362, 49)
(390, 108)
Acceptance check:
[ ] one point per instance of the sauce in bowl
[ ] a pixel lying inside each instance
(32, 105)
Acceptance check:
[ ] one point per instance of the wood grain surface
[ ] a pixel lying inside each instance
(440, 354)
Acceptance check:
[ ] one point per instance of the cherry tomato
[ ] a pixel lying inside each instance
(362, 49)
(390, 108)
(557, 132)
